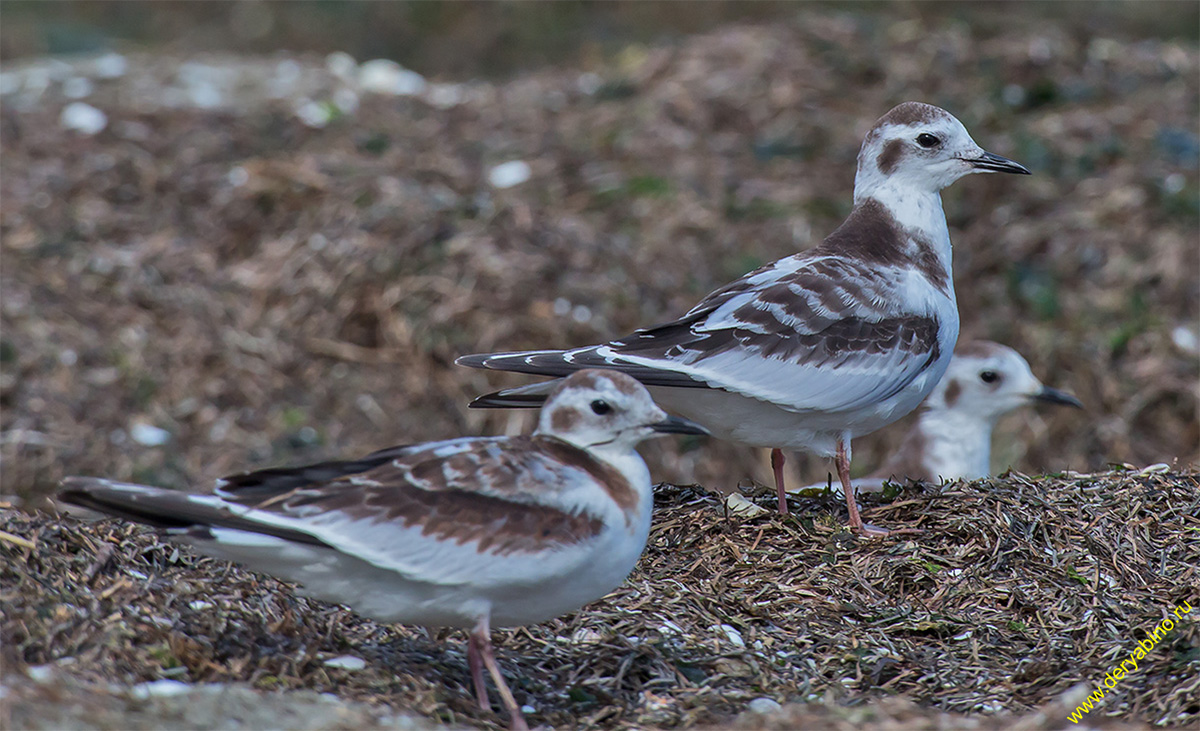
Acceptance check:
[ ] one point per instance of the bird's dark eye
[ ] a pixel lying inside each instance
(600, 408)
(989, 376)
(927, 140)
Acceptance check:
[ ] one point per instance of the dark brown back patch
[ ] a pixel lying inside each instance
(892, 152)
(953, 391)
(872, 234)
(869, 233)
(498, 525)
(930, 265)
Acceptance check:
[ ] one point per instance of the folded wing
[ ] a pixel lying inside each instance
(446, 513)
(805, 333)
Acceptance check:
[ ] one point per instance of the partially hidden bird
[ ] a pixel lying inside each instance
(951, 438)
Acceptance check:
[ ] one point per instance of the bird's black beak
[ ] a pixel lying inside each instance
(996, 164)
(677, 425)
(1054, 396)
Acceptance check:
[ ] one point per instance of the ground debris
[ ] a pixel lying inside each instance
(1021, 590)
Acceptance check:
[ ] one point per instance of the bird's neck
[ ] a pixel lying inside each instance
(956, 445)
(918, 212)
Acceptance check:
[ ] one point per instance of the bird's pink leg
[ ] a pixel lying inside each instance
(476, 665)
(842, 462)
(777, 461)
(483, 639)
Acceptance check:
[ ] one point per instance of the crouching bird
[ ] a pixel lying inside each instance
(470, 533)
(952, 437)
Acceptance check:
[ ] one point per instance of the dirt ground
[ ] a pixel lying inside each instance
(257, 261)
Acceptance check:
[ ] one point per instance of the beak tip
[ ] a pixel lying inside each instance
(1061, 398)
(679, 425)
(993, 163)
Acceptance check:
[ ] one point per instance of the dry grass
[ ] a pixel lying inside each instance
(1019, 590)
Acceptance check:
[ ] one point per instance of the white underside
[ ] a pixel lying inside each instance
(397, 573)
(389, 596)
(755, 423)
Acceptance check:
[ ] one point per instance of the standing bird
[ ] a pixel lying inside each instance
(820, 347)
(952, 438)
(468, 533)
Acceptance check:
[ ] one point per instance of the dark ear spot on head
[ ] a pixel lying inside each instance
(891, 155)
(953, 391)
(564, 419)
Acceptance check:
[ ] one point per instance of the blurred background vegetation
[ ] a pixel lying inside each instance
(497, 39)
(200, 288)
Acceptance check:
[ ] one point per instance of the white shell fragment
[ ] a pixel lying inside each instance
(84, 118)
(149, 435)
(384, 76)
(346, 662)
(741, 507)
(508, 174)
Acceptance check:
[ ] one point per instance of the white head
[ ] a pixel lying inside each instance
(986, 380)
(594, 408)
(922, 147)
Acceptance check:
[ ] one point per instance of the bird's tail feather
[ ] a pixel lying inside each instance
(167, 510)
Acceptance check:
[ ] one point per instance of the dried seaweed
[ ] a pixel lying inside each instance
(1020, 590)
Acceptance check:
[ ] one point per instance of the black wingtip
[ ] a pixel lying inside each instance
(106, 498)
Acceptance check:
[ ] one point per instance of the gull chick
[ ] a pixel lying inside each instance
(820, 347)
(468, 533)
(952, 438)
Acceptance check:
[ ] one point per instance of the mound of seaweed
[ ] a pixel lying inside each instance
(1022, 594)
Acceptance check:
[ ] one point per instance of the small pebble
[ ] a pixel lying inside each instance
(159, 689)
(313, 114)
(148, 435)
(84, 118)
(445, 96)
(346, 100)
(78, 87)
(508, 174)
(384, 76)
(1185, 339)
(110, 66)
(341, 65)
(765, 706)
